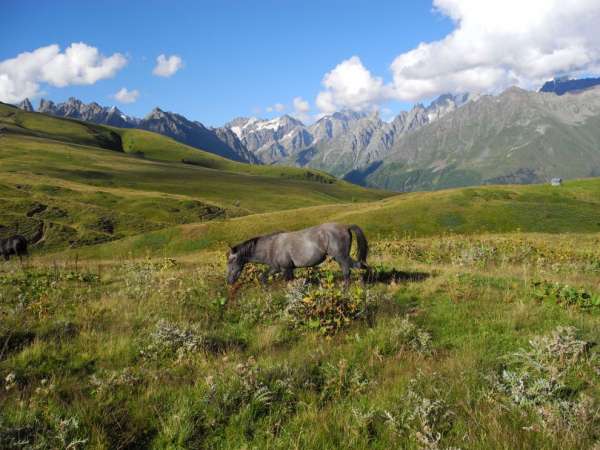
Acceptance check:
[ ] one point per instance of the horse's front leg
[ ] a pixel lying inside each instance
(267, 273)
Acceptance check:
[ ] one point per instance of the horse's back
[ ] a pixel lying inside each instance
(332, 226)
(321, 232)
(329, 227)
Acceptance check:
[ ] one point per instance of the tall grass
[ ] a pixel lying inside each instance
(449, 345)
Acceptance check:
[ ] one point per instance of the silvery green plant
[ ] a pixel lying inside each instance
(537, 378)
(169, 339)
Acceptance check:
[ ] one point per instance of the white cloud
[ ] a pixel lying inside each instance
(301, 105)
(301, 109)
(277, 107)
(350, 86)
(166, 66)
(495, 44)
(126, 96)
(21, 76)
(500, 43)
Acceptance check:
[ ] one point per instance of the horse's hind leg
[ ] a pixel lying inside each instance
(345, 265)
(358, 264)
(288, 274)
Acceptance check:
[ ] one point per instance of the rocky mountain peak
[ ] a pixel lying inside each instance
(46, 105)
(72, 101)
(25, 105)
(155, 114)
(115, 110)
(514, 90)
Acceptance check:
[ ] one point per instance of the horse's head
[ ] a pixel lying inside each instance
(235, 264)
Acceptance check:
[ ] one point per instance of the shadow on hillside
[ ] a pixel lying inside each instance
(393, 276)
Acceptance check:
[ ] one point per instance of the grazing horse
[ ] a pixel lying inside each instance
(14, 245)
(283, 252)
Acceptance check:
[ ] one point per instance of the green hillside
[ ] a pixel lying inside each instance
(571, 208)
(75, 183)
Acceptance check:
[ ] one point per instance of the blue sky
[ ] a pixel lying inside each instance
(314, 57)
(239, 56)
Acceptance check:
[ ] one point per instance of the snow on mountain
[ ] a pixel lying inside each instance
(338, 142)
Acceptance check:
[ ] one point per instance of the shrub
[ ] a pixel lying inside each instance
(416, 417)
(26, 289)
(105, 383)
(39, 433)
(328, 307)
(478, 254)
(405, 333)
(428, 420)
(565, 295)
(169, 339)
(538, 379)
(141, 277)
(342, 379)
(245, 395)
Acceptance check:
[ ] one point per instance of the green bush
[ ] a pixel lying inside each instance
(565, 295)
(328, 307)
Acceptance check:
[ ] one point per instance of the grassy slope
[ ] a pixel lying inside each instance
(150, 355)
(572, 208)
(147, 144)
(161, 148)
(72, 167)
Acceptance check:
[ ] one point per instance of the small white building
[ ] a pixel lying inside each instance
(556, 181)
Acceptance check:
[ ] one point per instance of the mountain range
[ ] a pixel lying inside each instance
(517, 136)
(220, 141)
(338, 143)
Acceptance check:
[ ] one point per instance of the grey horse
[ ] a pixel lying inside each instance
(14, 245)
(283, 252)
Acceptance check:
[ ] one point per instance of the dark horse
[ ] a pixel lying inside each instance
(14, 245)
(284, 252)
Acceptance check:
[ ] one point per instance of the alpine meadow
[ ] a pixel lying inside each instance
(351, 260)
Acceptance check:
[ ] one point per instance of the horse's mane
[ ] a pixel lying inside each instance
(246, 248)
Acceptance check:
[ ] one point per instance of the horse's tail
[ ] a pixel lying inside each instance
(23, 244)
(361, 240)
(19, 244)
